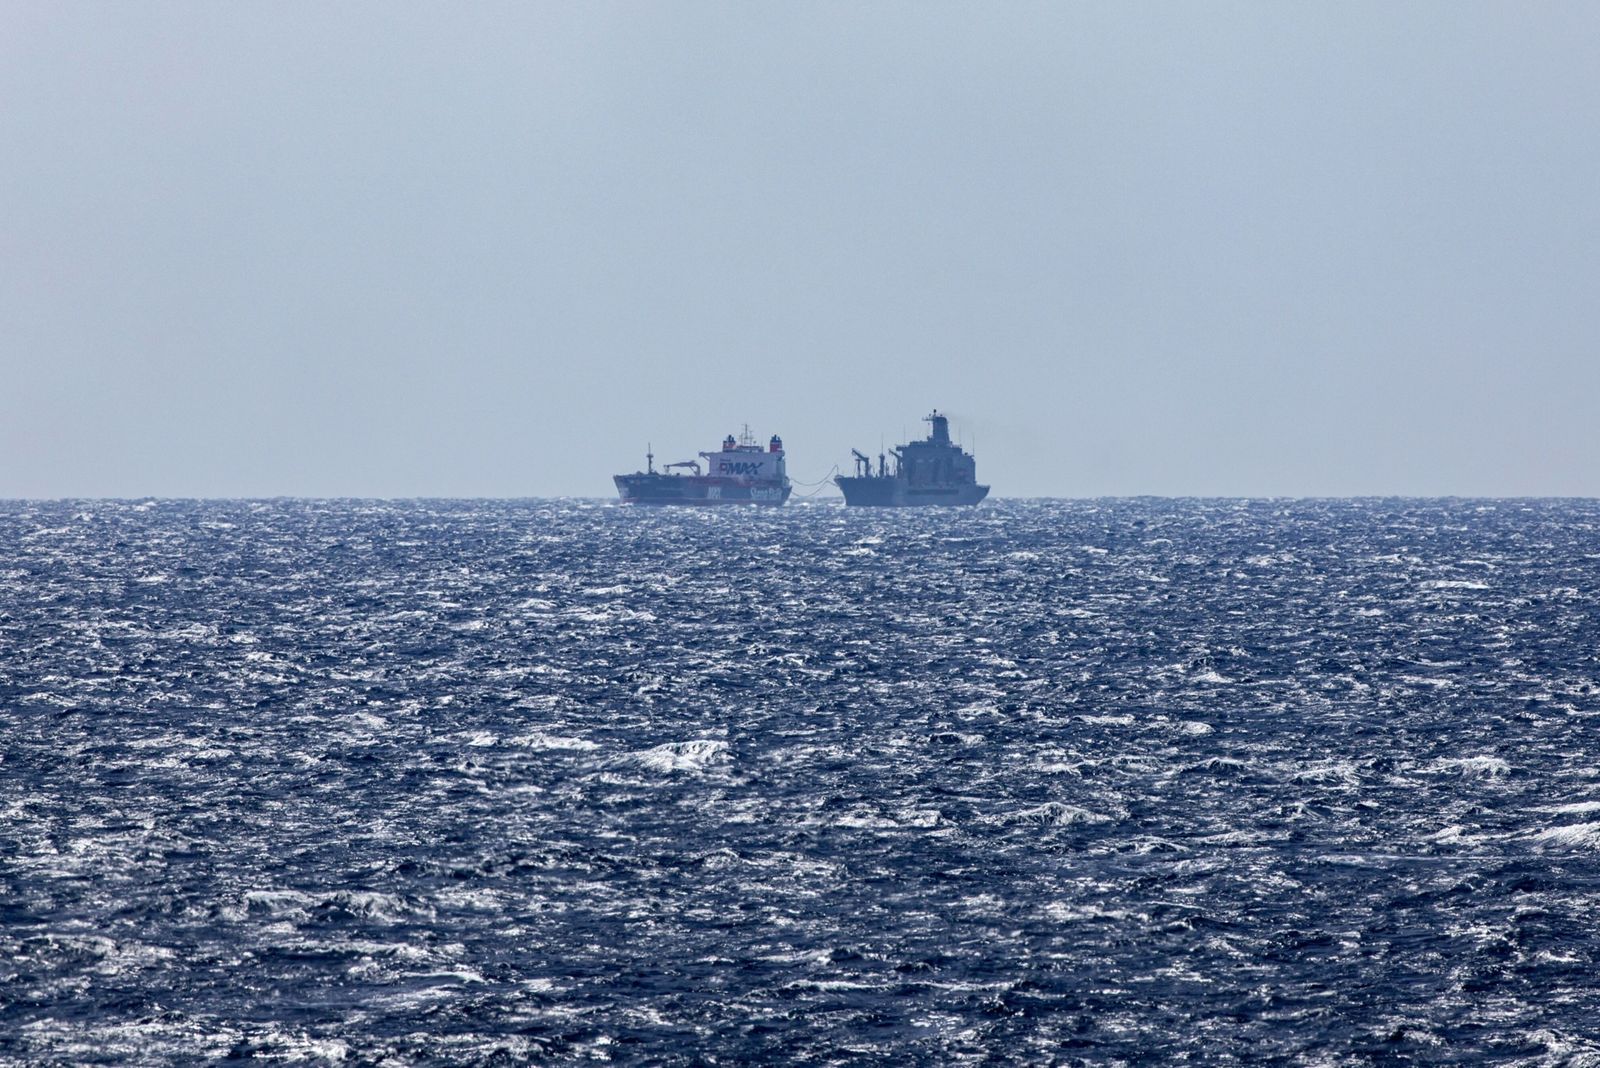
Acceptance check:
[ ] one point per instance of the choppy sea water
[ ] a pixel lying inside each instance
(1038, 782)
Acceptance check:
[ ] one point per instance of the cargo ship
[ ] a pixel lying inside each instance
(932, 471)
(741, 472)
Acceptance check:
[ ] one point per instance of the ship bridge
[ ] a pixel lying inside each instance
(745, 458)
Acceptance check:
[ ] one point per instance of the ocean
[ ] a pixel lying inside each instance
(1040, 782)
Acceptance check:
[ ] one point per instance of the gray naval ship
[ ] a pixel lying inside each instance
(742, 472)
(932, 471)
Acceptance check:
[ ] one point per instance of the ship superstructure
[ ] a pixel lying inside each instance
(741, 472)
(933, 471)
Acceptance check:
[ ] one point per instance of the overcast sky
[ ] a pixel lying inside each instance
(464, 249)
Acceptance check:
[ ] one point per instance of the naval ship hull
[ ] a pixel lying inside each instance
(696, 490)
(890, 492)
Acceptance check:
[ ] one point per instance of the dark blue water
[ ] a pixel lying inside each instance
(478, 782)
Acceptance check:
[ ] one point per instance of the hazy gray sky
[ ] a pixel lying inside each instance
(477, 249)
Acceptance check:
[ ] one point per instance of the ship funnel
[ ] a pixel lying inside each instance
(941, 428)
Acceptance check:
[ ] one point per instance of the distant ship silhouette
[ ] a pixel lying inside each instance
(928, 472)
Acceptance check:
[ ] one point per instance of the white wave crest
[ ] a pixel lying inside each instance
(693, 755)
(1477, 767)
(1054, 814)
(541, 740)
(1572, 836)
(1576, 808)
(298, 906)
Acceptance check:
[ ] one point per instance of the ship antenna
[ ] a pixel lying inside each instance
(650, 457)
